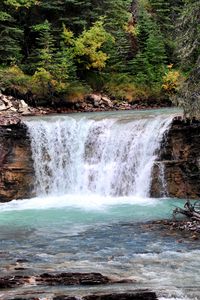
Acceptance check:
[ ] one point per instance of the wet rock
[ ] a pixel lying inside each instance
(16, 165)
(72, 279)
(55, 279)
(137, 295)
(180, 157)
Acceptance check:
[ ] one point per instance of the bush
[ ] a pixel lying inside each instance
(172, 81)
(14, 78)
(122, 87)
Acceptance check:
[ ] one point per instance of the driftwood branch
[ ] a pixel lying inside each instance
(191, 211)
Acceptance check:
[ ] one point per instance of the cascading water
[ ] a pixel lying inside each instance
(108, 157)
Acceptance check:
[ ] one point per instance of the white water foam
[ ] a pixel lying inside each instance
(89, 203)
(108, 157)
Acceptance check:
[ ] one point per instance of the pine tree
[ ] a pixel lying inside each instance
(11, 37)
(148, 65)
(161, 10)
(42, 56)
(64, 69)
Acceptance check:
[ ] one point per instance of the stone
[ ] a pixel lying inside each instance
(107, 101)
(55, 279)
(23, 108)
(23, 104)
(2, 105)
(9, 120)
(94, 98)
(137, 295)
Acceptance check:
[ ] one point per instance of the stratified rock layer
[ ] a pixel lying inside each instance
(16, 165)
(180, 158)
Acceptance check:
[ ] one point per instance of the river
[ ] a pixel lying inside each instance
(92, 211)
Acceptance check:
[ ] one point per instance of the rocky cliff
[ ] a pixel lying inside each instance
(178, 161)
(16, 166)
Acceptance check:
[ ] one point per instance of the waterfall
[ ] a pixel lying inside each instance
(110, 156)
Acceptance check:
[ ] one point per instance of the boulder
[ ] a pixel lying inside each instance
(107, 101)
(94, 98)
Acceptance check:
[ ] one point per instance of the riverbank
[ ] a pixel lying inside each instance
(90, 103)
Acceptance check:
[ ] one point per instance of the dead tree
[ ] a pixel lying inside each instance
(191, 211)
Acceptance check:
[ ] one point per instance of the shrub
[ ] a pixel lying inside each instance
(172, 81)
(14, 78)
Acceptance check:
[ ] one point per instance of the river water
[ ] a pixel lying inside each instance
(93, 212)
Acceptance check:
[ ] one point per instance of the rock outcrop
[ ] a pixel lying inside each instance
(180, 159)
(16, 166)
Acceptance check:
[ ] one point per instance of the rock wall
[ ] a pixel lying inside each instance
(180, 159)
(16, 165)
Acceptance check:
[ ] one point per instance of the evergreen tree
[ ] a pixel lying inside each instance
(10, 35)
(42, 56)
(64, 69)
(161, 10)
(148, 65)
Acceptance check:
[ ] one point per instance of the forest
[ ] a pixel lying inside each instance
(129, 50)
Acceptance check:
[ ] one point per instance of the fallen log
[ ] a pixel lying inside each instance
(190, 210)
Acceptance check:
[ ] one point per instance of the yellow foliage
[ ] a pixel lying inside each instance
(67, 36)
(41, 75)
(87, 46)
(132, 29)
(15, 71)
(21, 3)
(171, 80)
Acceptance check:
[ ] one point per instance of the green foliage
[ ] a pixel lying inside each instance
(10, 35)
(87, 47)
(14, 78)
(20, 3)
(149, 64)
(122, 88)
(122, 47)
(43, 54)
(42, 82)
